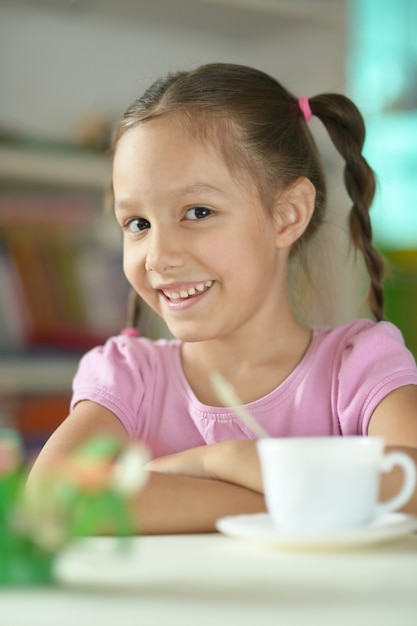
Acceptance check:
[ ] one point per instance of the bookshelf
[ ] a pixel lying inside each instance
(58, 168)
(59, 261)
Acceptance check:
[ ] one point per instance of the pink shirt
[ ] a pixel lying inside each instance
(343, 376)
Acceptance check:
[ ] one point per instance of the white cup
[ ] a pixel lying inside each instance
(329, 484)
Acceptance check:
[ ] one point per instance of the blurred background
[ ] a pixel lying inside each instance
(69, 68)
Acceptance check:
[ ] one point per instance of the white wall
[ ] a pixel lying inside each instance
(58, 66)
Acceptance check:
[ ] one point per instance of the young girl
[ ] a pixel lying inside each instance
(217, 184)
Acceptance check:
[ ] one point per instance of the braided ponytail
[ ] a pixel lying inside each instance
(346, 128)
(133, 310)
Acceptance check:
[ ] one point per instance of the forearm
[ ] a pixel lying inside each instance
(185, 493)
(234, 461)
(184, 504)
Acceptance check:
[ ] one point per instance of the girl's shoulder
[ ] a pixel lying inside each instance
(360, 333)
(364, 346)
(366, 360)
(122, 355)
(124, 375)
(125, 346)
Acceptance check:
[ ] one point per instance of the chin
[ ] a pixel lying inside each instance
(188, 335)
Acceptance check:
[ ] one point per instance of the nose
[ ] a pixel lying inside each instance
(165, 250)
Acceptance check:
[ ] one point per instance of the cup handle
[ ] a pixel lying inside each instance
(389, 461)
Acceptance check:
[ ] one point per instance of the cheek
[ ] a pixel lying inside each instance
(133, 263)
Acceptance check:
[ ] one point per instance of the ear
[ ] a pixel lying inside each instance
(293, 210)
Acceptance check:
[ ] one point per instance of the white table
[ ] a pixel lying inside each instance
(213, 580)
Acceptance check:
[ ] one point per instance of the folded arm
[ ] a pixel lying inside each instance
(235, 461)
(171, 501)
(394, 420)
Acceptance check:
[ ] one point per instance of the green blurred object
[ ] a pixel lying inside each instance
(401, 293)
(22, 561)
(101, 447)
(88, 493)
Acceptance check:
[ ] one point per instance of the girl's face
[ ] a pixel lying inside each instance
(198, 246)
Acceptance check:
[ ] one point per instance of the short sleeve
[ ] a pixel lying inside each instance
(373, 362)
(113, 375)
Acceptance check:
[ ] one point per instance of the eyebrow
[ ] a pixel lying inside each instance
(127, 205)
(123, 205)
(198, 188)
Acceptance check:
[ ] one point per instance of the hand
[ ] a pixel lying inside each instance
(235, 461)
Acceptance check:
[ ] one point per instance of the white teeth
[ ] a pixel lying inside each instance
(185, 293)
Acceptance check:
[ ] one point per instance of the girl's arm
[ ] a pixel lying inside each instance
(395, 420)
(235, 461)
(87, 420)
(169, 503)
(172, 503)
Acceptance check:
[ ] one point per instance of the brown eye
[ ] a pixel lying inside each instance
(137, 225)
(198, 213)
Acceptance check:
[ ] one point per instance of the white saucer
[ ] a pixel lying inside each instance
(259, 527)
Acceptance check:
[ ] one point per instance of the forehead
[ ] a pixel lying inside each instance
(172, 127)
(214, 130)
(169, 147)
(163, 149)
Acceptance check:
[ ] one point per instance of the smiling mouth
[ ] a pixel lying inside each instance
(185, 294)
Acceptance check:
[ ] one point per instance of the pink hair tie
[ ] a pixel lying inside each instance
(130, 332)
(304, 105)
